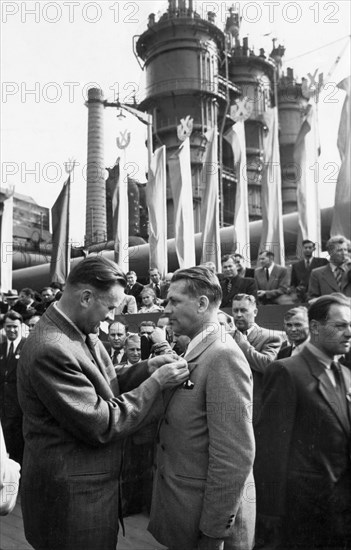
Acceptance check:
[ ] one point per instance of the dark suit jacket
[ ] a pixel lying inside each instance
(163, 289)
(240, 285)
(322, 281)
(74, 421)
(285, 351)
(303, 467)
(10, 410)
(276, 285)
(135, 291)
(300, 275)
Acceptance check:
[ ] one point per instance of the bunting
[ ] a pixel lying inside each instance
(6, 239)
(156, 202)
(61, 250)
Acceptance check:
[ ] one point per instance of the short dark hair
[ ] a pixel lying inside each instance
(267, 252)
(319, 310)
(237, 255)
(131, 273)
(13, 316)
(97, 271)
(295, 311)
(200, 280)
(308, 241)
(147, 324)
(27, 292)
(56, 285)
(227, 257)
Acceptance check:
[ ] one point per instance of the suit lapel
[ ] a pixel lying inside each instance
(327, 390)
(329, 276)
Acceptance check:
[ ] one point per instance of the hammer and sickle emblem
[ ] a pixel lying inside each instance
(314, 86)
(124, 139)
(241, 110)
(185, 128)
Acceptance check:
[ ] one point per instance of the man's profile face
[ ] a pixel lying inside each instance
(339, 253)
(239, 261)
(32, 322)
(155, 276)
(334, 335)
(117, 335)
(229, 268)
(183, 310)
(308, 249)
(131, 279)
(244, 313)
(297, 328)
(12, 329)
(99, 305)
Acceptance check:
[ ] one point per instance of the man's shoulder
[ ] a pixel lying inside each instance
(265, 334)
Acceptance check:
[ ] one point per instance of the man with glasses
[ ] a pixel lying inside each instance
(74, 416)
(259, 345)
(303, 461)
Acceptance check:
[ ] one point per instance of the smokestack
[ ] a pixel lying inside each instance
(95, 219)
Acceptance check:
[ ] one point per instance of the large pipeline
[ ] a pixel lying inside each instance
(38, 276)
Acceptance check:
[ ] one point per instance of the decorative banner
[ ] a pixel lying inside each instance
(311, 86)
(185, 128)
(6, 238)
(156, 202)
(241, 110)
(60, 257)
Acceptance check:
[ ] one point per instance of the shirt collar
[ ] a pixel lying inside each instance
(56, 305)
(14, 342)
(323, 358)
(202, 336)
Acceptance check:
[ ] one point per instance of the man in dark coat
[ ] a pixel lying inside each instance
(301, 271)
(74, 416)
(232, 283)
(133, 287)
(10, 411)
(303, 461)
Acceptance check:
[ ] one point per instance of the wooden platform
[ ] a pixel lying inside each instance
(137, 537)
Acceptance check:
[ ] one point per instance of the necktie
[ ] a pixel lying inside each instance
(116, 357)
(11, 352)
(229, 285)
(338, 276)
(267, 273)
(157, 291)
(340, 388)
(308, 263)
(335, 367)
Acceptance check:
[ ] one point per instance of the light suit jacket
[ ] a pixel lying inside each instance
(276, 285)
(322, 281)
(303, 462)
(203, 480)
(74, 421)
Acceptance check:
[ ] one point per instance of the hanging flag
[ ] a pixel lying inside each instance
(236, 138)
(6, 238)
(156, 202)
(272, 237)
(181, 186)
(61, 250)
(306, 153)
(120, 209)
(211, 244)
(342, 205)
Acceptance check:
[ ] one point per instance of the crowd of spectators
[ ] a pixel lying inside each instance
(244, 290)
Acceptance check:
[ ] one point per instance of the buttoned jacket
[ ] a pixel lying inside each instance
(322, 281)
(276, 285)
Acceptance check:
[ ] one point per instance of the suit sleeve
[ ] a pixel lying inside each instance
(231, 442)
(273, 437)
(294, 278)
(72, 399)
(251, 287)
(314, 290)
(259, 360)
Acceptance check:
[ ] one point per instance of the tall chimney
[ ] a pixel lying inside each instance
(95, 219)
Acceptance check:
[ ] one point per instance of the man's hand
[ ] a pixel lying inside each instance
(261, 293)
(171, 374)
(154, 363)
(157, 336)
(208, 543)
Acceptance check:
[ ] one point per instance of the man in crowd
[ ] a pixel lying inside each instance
(301, 270)
(336, 275)
(303, 461)
(10, 411)
(203, 489)
(232, 283)
(243, 271)
(259, 345)
(272, 279)
(132, 353)
(117, 334)
(297, 330)
(75, 415)
(133, 287)
(47, 298)
(160, 288)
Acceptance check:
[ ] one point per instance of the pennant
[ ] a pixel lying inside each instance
(156, 202)
(272, 237)
(120, 208)
(341, 223)
(61, 250)
(235, 136)
(6, 233)
(211, 244)
(182, 192)
(306, 153)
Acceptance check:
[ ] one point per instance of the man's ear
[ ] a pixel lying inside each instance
(86, 296)
(203, 303)
(314, 327)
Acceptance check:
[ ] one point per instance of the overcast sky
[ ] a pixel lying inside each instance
(52, 52)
